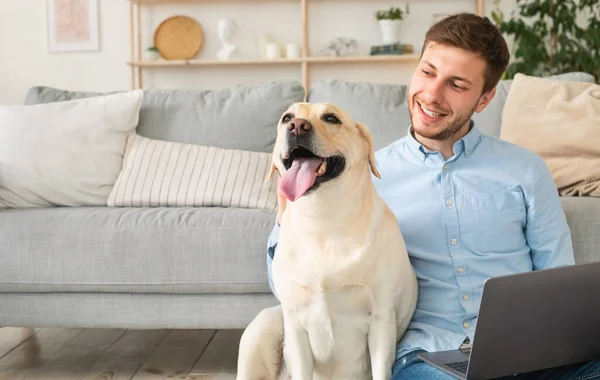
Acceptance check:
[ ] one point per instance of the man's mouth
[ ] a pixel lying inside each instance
(305, 171)
(429, 113)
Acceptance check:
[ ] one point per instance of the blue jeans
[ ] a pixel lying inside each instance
(410, 367)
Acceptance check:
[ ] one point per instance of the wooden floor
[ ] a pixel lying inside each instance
(99, 354)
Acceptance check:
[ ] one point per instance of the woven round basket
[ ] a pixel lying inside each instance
(178, 37)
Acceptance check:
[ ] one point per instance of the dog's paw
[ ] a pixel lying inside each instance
(385, 375)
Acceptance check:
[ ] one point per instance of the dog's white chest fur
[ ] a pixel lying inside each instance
(326, 284)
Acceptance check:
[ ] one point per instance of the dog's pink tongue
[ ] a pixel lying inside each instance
(299, 178)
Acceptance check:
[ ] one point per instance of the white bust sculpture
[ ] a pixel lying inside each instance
(227, 28)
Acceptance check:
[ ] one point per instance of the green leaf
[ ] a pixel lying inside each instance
(550, 36)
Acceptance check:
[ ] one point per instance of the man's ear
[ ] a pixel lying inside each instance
(485, 99)
(366, 134)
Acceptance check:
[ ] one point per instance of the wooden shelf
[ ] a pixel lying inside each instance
(479, 3)
(282, 61)
(213, 62)
(143, 2)
(365, 59)
(138, 65)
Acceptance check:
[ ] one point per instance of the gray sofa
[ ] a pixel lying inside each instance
(186, 267)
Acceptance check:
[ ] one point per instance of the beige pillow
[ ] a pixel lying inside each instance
(160, 173)
(560, 121)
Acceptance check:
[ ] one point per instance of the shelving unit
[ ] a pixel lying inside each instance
(138, 65)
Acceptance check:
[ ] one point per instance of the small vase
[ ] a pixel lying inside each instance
(390, 31)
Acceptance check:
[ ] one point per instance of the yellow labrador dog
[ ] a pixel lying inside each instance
(341, 270)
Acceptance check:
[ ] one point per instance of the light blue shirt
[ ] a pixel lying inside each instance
(492, 209)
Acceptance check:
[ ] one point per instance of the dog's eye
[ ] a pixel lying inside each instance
(331, 118)
(287, 117)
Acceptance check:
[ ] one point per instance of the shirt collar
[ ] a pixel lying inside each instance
(465, 146)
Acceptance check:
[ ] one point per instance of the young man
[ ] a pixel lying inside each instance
(469, 206)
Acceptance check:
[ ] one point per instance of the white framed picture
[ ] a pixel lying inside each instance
(72, 25)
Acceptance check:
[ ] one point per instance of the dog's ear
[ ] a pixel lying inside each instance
(365, 134)
(271, 171)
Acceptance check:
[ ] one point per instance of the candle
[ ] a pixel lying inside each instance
(273, 51)
(293, 51)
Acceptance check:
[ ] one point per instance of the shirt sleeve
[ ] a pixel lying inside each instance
(547, 231)
(271, 247)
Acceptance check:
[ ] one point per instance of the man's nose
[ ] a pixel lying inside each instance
(299, 126)
(434, 93)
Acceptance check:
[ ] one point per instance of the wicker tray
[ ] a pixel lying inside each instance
(178, 37)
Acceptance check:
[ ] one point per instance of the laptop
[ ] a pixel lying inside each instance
(530, 321)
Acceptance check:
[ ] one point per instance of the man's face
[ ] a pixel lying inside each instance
(445, 90)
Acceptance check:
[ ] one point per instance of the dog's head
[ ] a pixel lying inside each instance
(316, 144)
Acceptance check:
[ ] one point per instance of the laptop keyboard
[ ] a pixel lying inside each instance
(459, 366)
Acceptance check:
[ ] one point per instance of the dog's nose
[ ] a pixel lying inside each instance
(299, 126)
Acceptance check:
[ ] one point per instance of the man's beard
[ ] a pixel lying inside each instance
(452, 129)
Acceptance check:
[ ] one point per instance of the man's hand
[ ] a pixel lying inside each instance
(281, 203)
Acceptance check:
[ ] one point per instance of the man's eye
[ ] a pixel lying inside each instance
(286, 118)
(426, 72)
(457, 86)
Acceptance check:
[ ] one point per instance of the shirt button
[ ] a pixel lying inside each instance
(453, 241)
(465, 297)
(467, 152)
(466, 325)
(448, 202)
(446, 167)
(460, 270)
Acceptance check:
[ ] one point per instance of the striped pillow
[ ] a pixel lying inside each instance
(160, 173)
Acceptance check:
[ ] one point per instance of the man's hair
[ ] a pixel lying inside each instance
(476, 34)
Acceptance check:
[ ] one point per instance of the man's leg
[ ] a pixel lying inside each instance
(409, 367)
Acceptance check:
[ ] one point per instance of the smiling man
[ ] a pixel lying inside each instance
(469, 206)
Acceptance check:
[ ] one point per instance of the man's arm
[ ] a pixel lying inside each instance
(274, 236)
(271, 247)
(547, 232)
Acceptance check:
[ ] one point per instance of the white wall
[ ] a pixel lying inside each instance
(25, 61)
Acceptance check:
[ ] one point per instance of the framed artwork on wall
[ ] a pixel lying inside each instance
(72, 25)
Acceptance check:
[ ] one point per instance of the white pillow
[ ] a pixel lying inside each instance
(65, 153)
(160, 173)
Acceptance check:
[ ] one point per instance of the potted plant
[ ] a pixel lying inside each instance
(389, 23)
(151, 54)
(552, 37)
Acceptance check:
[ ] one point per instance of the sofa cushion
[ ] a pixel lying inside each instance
(136, 250)
(583, 217)
(241, 117)
(560, 121)
(66, 153)
(170, 250)
(166, 173)
(489, 121)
